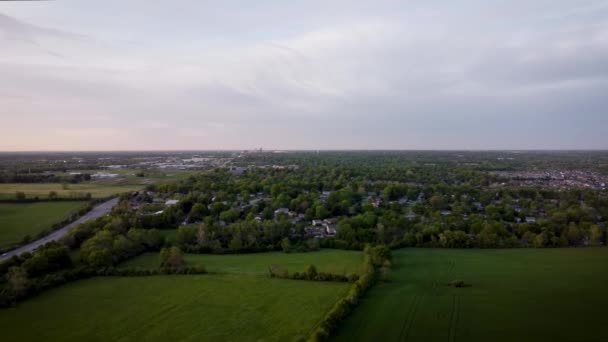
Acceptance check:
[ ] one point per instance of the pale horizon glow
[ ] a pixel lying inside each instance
(313, 75)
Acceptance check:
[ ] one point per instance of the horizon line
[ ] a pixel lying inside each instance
(312, 150)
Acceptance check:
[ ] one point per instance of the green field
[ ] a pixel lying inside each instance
(515, 295)
(20, 219)
(173, 308)
(329, 260)
(97, 190)
(126, 181)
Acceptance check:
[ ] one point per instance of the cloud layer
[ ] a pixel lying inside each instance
(481, 75)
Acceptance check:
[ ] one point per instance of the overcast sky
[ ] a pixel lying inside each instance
(132, 75)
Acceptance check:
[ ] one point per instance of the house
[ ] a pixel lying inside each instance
(478, 206)
(237, 171)
(420, 198)
(317, 222)
(255, 201)
(446, 212)
(331, 220)
(296, 219)
(330, 229)
(317, 232)
(530, 219)
(171, 202)
(281, 211)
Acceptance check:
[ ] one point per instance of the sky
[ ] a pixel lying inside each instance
(205, 75)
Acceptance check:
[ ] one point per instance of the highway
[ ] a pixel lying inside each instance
(96, 212)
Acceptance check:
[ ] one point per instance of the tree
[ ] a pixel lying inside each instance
(437, 202)
(311, 272)
(36, 265)
(595, 235)
(197, 212)
(286, 245)
(20, 195)
(186, 235)
(235, 244)
(573, 234)
(313, 244)
(16, 278)
(345, 232)
(172, 258)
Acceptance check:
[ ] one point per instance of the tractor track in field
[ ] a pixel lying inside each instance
(407, 324)
(454, 318)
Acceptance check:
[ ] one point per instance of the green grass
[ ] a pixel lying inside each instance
(173, 308)
(126, 181)
(97, 190)
(20, 219)
(515, 295)
(329, 260)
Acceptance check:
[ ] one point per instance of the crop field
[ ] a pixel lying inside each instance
(20, 219)
(514, 295)
(97, 190)
(226, 307)
(329, 260)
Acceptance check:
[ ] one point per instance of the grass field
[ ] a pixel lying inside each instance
(172, 308)
(515, 295)
(20, 219)
(329, 260)
(125, 181)
(97, 190)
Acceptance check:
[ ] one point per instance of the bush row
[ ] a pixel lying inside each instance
(310, 274)
(373, 256)
(32, 287)
(142, 272)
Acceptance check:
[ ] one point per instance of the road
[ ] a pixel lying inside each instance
(96, 212)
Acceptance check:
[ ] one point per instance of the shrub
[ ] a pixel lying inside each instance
(457, 283)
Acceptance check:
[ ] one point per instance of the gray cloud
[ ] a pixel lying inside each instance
(418, 75)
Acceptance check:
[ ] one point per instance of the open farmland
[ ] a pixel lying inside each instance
(515, 295)
(41, 190)
(173, 308)
(329, 260)
(20, 219)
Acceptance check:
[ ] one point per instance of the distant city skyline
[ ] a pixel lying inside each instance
(313, 75)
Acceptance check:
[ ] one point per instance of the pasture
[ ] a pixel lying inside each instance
(227, 307)
(327, 260)
(20, 219)
(514, 295)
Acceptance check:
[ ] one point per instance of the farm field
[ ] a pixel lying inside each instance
(173, 308)
(126, 181)
(327, 260)
(97, 190)
(20, 219)
(515, 295)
